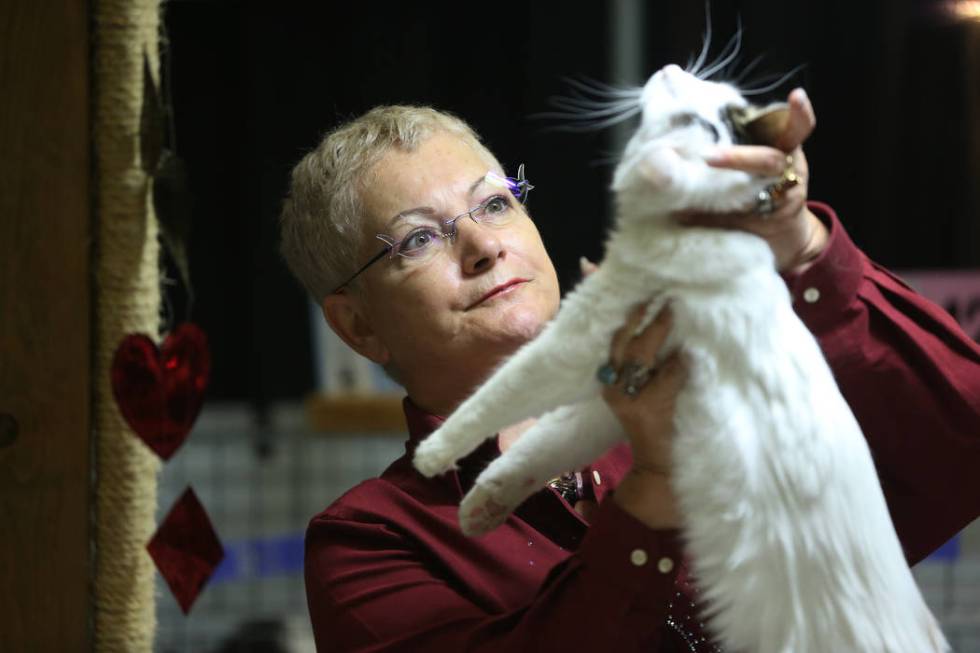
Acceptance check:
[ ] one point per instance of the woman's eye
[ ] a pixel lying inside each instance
(417, 241)
(496, 205)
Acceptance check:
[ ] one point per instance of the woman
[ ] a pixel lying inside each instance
(594, 559)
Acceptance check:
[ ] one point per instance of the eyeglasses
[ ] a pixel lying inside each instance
(425, 240)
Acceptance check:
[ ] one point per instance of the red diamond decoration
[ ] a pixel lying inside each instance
(186, 549)
(160, 391)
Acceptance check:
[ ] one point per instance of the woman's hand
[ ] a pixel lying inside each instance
(794, 234)
(646, 412)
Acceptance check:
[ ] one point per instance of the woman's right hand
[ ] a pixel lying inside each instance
(647, 416)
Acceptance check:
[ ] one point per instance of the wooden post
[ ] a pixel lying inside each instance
(45, 333)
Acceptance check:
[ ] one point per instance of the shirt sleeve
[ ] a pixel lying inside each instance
(911, 377)
(611, 595)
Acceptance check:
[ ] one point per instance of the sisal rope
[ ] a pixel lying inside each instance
(127, 301)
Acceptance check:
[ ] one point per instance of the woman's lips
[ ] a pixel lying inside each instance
(497, 291)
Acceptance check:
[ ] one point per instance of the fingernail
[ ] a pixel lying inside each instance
(715, 156)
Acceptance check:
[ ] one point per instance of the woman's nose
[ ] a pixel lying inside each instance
(479, 246)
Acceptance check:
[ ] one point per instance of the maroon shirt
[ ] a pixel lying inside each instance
(387, 567)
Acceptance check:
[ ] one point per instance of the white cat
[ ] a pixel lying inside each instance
(784, 517)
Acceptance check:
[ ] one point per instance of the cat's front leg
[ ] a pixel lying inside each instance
(555, 369)
(565, 439)
(542, 375)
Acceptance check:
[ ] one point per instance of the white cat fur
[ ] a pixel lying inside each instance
(784, 518)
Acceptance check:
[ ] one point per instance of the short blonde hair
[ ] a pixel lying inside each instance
(321, 214)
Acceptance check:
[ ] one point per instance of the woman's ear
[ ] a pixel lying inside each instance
(345, 314)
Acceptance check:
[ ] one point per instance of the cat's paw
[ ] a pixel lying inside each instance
(433, 457)
(483, 509)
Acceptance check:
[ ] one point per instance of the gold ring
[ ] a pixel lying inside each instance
(788, 179)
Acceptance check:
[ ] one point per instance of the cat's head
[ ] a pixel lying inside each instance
(678, 107)
(683, 119)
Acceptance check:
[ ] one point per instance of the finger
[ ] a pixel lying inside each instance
(641, 348)
(670, 376)
(644, 346)
(624, 334)
(758, 160)
(786, 206)
(802, 121)
(659, 392)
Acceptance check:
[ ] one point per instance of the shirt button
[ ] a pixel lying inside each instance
(811, 295)
(595, 477)
(638, 557)
(665, 565)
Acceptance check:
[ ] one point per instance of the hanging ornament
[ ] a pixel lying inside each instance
(160, 390)
(186, 549)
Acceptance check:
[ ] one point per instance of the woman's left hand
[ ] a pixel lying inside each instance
(795, 235)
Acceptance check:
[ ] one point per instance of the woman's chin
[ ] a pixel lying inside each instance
(521, 324)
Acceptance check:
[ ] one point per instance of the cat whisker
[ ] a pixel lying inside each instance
(597, 101)
(606, 158)
(706, 45)
(776, 84)
(592, 105)
(585, 123)
(591, 110)
(727, 55)
(601, 89)
(745, 71)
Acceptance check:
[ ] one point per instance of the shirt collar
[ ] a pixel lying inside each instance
(421, 424)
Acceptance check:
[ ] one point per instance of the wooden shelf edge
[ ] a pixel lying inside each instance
(345, 414)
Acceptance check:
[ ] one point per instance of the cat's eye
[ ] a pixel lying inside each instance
(710, 126)
(683, 119)
(689, 118)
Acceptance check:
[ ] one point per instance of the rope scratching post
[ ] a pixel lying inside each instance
(127, 301)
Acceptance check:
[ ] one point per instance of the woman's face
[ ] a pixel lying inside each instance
(451, 318)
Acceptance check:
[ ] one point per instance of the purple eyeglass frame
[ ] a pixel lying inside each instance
(519, 186)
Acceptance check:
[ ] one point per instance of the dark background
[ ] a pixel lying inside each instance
(254, 86)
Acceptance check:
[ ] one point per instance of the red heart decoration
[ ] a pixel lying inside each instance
(160, 391)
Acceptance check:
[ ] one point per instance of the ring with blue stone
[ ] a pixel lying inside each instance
(607, 374)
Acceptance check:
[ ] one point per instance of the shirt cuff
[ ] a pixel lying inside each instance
(823, 292)
(628, 553)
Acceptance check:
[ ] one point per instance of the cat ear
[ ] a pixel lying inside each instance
(346, 315)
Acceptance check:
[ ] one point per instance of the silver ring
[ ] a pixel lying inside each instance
(636, 375)
(764, 203)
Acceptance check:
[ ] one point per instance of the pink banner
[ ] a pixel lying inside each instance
(957, 291)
